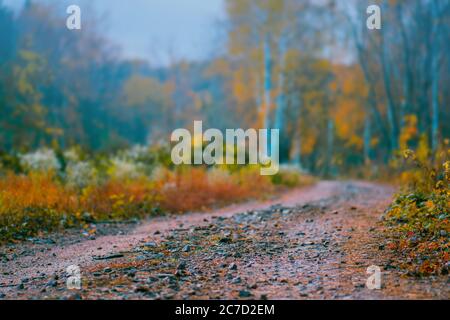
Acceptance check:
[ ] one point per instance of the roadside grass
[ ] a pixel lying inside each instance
(42, 197)
(418, 219)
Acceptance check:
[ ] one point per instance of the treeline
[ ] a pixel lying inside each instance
(61, 88)
(342, 95)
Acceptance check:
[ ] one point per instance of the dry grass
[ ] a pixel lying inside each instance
(196, 189)
(38, 202)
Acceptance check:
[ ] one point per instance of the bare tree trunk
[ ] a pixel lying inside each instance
(372, 96)
(267, 81)
(367, 138)
(435, 106)
(407, 83)
(392, 120)
(435, 76)
(267, 91)
(330, 145)
(281, 99)
(296, 152)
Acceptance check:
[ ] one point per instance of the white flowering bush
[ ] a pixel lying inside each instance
(43, 160)
(71, 156)
(81, 174)
(125, 169)
(136, 153)
(134, 162)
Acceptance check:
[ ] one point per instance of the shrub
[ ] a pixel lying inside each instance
(191, 189)
(419, 216)
(43, 160)
(118, 199)
(73, 188)
(79, 175)
(33, 203)
(291, 176)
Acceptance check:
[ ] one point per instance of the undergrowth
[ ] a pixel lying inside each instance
(46, 191)
(418, 219)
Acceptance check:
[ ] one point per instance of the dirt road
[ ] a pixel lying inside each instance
(313, 243)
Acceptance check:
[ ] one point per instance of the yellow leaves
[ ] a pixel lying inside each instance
(240, 91)
(421, 215)
(349, 118)
(409, 154)
(349, 112)
(440, 185)
(308, 144)
(114, 197)
(409, 131)
(350, 82)
(430, 205)
(243, 86)
(406, 177)
(423, 150)
(446, 167)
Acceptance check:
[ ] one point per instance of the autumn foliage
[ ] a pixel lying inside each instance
(419, 218)
(44, 196)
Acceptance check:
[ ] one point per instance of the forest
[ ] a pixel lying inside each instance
(342, 95)
(85, 132)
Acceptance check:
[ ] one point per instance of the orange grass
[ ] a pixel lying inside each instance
(35, 203)
(196, 190)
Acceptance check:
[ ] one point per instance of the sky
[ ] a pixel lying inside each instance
(157, 30)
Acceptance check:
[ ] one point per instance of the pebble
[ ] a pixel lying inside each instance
(225, 240)
(233, 266)
(52, 283)
(141, 289)
(245, 294)
(150, 244)
(186, 248)
(179, 273)
(236, 280)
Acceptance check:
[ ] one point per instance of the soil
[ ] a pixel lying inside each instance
(311, 243)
